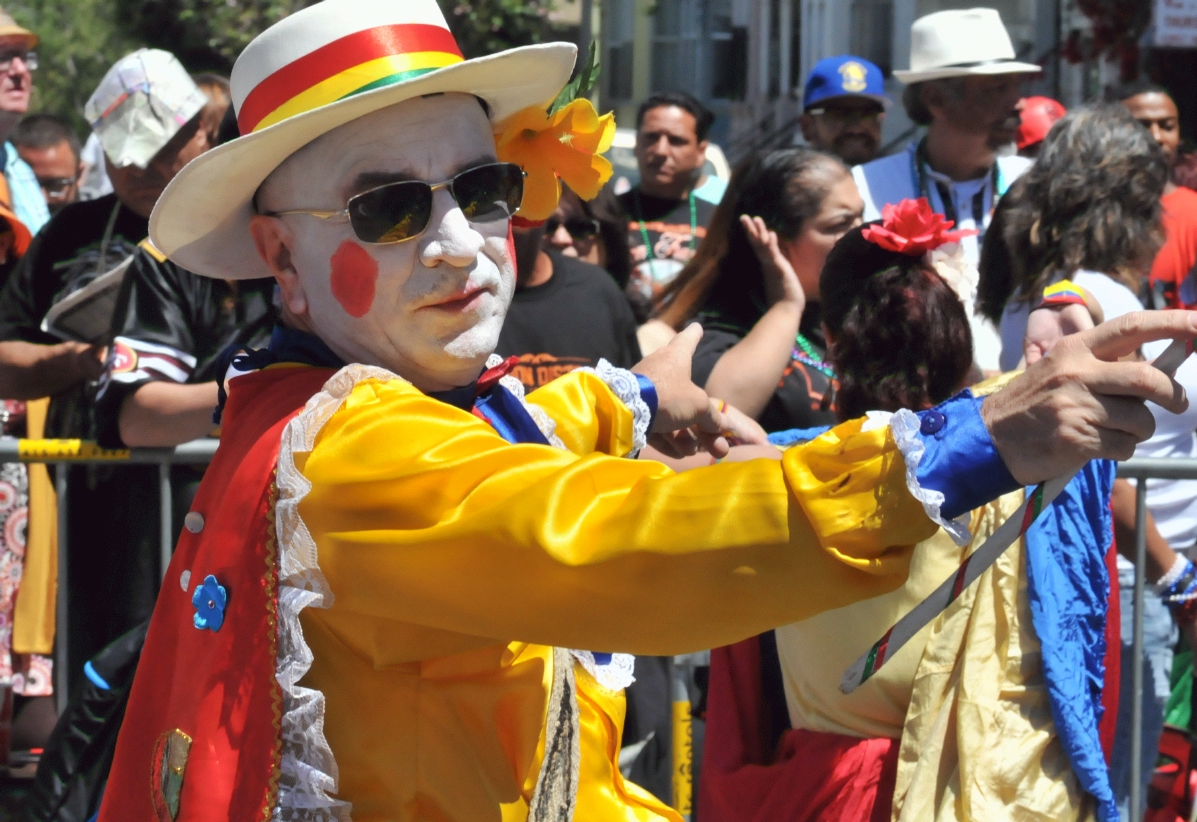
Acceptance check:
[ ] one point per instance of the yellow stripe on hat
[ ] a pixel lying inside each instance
(371, 74)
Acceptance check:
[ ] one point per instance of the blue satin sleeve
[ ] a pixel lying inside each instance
(960, 460)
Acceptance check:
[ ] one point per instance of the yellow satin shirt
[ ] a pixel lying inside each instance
(456, 560)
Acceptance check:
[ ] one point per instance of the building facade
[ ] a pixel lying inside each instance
(747, 59)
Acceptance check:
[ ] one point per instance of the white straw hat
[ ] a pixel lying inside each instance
(306, 75)
(958, 44)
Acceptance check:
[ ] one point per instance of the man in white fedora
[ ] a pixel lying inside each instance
(371, 609)
(964, 85)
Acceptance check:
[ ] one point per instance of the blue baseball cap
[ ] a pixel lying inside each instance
(844, 76)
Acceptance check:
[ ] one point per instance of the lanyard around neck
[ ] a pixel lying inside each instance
(644, 228)
(920, 164)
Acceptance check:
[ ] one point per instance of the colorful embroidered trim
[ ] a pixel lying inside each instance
(354, 64)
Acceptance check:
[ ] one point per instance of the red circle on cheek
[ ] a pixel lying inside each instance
(354, 273)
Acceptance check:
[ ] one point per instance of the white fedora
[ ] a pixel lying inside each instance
(960, 43)
(316, 70)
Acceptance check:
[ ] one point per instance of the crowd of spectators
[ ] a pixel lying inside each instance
(614, 278)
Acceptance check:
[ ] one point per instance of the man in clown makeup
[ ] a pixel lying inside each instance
(371, 611)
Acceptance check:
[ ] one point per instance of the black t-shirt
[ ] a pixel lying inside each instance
(171, 325)
(112, 509)
(81, 242)
(803, 398)
(671, 242)
(575, 319)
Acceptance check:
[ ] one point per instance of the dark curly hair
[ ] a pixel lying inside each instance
(899, 335)
(1091, 201)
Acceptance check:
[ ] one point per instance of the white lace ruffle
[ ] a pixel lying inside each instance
(539, 416)
(875, 420)
(308, 771)
(905, 427)
(615, 675)
(623, 384)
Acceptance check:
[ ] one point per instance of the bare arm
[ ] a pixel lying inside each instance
(748, 374)
(1160, 555)
(162, 414)
(29, 371)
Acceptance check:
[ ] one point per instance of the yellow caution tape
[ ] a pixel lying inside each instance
(67, 451)
(683, 758)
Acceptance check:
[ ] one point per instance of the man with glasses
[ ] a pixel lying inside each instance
(403, 586)
(21, 190)
(51, 148)
(964, 86)
(844, 106)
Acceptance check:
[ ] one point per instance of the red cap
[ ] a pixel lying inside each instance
(1037, 114)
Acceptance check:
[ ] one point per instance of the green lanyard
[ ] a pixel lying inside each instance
(648, 246)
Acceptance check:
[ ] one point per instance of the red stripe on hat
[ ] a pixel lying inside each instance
(336, 57)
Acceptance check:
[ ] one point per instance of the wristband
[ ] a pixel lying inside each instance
(648, 393)
(1178, 589)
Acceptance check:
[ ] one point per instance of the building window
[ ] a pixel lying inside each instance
(872, 32)
(619, 20)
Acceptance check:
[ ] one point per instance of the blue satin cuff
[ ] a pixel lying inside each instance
(960, 461)
(648, 393)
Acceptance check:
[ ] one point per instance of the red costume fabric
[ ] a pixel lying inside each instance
(811, 776)
(201, 736)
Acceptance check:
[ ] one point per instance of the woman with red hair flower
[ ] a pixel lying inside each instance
(991, 711)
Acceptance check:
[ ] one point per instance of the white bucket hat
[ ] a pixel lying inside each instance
(141, 104)
(958, 44)
(318, 69)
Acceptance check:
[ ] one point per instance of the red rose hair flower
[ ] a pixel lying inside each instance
(912, 228)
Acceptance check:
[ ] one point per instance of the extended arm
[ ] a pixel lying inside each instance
(29, 371)
(424, 515)
(161, 414)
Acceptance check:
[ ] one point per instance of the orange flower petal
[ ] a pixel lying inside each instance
(541, 193)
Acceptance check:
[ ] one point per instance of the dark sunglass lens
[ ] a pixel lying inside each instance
(491, 192)
(391, 213)
(582, 229)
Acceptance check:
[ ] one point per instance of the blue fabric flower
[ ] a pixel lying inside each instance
(209, 600)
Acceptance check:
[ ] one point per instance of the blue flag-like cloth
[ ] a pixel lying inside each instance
(1069, 590)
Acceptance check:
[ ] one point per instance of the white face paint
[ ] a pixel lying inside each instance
(429, 309)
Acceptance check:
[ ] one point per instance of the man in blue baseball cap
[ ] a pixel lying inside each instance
(844, 104)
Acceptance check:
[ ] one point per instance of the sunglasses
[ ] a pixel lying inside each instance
(579, 228)
(397, 212)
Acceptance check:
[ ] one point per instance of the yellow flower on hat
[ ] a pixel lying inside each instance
(562, 146)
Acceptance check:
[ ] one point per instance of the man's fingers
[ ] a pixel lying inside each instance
(1128, 333)
(715, 445)
(1116, 445)
(687, 340)
(1128, 416)
(1137, 379)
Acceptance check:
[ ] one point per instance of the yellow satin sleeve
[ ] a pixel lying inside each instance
(589, 417)
(424, 516)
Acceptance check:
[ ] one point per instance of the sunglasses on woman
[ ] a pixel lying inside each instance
(578, 228)
(397, 212)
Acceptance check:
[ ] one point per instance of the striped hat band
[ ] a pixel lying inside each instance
(350, 65)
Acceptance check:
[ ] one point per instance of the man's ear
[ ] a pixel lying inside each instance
(273, 239)
(933, 97)
(702, 147)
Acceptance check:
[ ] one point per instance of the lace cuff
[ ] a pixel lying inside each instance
(612, 671)
(905, 427)
(626, 386)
